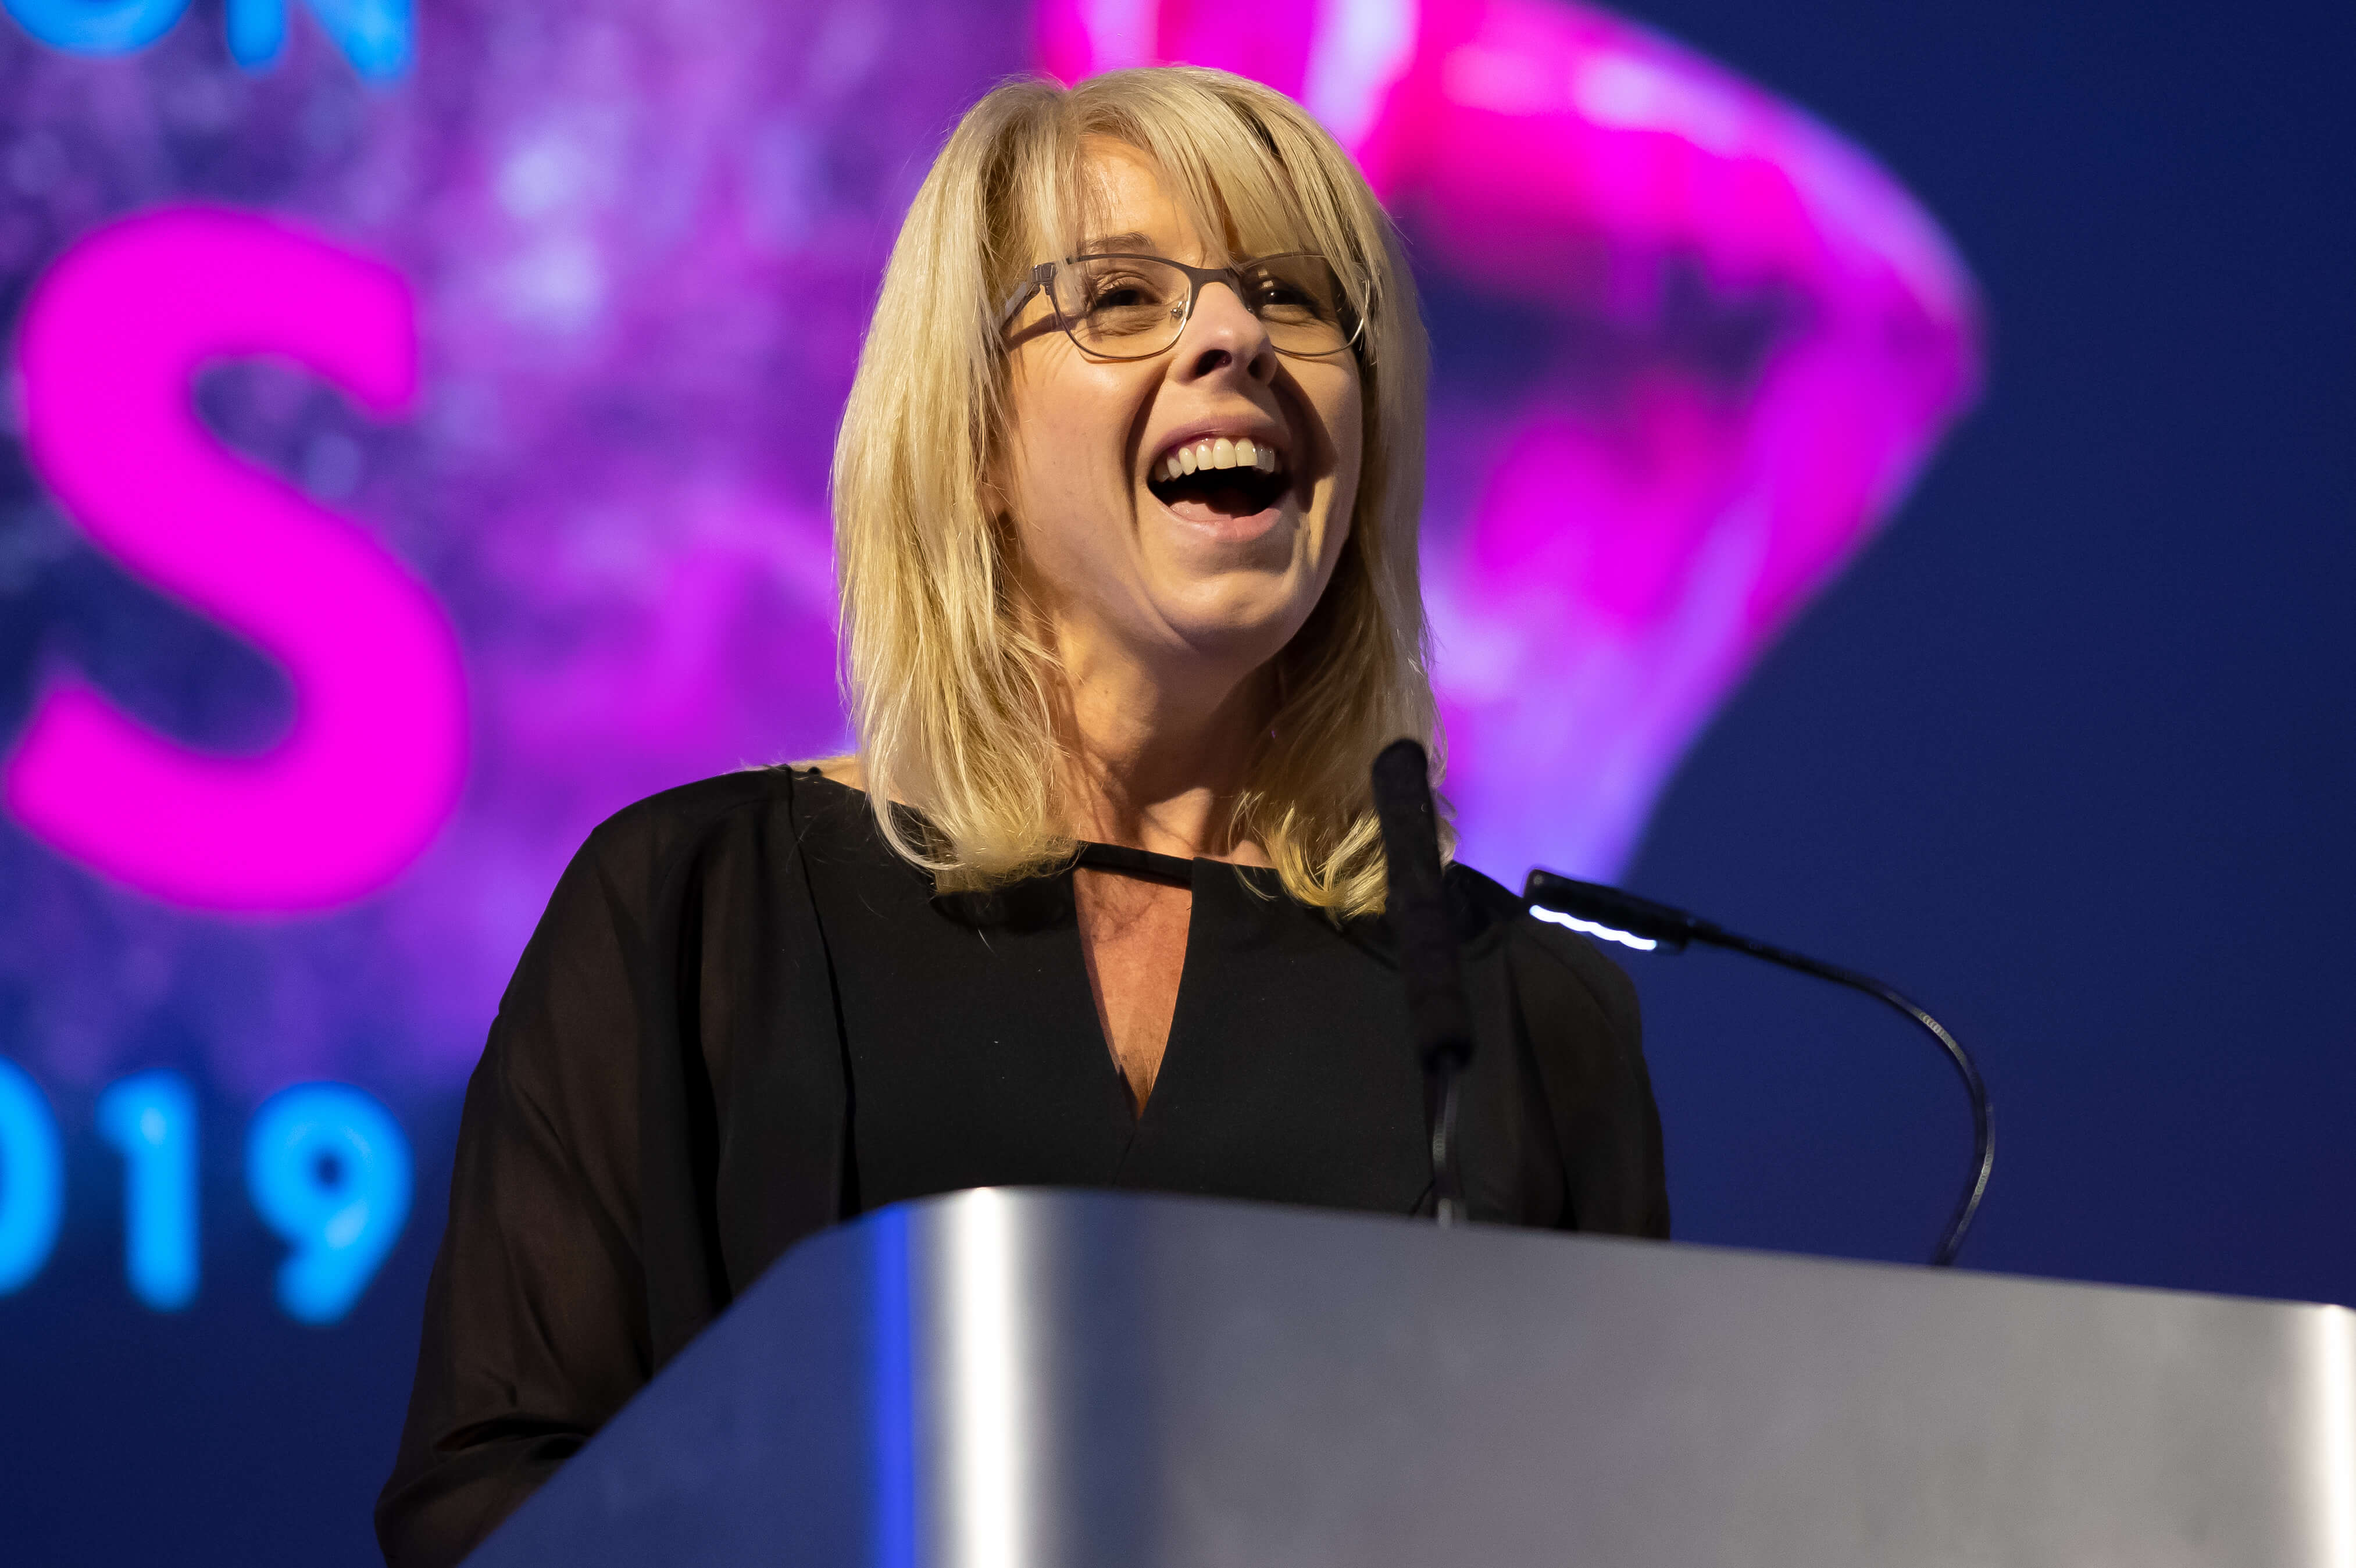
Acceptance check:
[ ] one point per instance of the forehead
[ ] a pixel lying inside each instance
(1211, 212)
(1127, 205)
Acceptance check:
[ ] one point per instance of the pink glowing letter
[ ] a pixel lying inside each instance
(370, 769)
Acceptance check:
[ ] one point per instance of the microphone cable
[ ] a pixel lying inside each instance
(1641, 923)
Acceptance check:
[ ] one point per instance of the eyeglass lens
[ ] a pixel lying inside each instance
(1128, 307)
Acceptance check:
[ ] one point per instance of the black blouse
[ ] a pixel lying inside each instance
(743, 1019)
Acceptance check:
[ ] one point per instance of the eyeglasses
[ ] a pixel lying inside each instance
(1134, 306)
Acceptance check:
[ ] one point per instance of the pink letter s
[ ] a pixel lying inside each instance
(371, 767)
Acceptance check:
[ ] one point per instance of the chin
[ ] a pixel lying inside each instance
(1238, 624)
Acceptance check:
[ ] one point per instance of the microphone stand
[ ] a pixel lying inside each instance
(1430, 960)
(1639, 923)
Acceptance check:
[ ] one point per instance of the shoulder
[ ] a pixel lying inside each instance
(1562, 981)
(705, 878)
(1577, 1017)
(730, 846)
(756, 812)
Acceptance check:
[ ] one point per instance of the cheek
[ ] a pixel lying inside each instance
(1344, 418)
(1068, 433)
(1068, 490)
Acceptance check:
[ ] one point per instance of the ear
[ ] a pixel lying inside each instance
(998, 493)
(997, 486)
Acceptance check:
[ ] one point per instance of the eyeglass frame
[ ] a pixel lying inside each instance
(1042, 276)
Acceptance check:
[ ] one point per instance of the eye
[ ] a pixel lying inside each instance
(1129, 294)
(1120, 290)
(1288, 294)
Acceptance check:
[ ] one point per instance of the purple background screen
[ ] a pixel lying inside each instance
(414, 450)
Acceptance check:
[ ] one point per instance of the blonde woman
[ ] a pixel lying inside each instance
(1125, 501)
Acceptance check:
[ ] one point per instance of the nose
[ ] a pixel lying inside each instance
(1221, 335)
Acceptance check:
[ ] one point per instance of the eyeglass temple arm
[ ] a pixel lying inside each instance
(1041, 276)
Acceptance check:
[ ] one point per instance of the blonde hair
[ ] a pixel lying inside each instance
(953, 692)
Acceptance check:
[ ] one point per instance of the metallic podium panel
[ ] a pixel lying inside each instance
(1014, 1379)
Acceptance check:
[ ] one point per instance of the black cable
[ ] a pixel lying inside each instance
(1430, 960)
(1625, 913)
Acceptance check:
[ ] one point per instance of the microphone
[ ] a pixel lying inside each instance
(1641, 923)
(1433, 968)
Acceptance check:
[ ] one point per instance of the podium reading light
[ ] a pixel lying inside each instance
(1640, 924)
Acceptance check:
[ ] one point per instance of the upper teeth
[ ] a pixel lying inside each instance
(1217, 452)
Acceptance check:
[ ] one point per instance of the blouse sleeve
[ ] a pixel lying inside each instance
(1587, 1036)
(656, 1116)
(536, 1321)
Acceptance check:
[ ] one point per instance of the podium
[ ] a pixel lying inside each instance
(1016, 1379)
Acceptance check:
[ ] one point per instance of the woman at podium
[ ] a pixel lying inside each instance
(1126, 499)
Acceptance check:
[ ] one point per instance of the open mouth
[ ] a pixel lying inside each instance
(1216, 477)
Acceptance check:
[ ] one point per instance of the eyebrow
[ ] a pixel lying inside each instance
(1112, 244)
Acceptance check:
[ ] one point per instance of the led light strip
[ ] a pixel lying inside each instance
(1591, 928)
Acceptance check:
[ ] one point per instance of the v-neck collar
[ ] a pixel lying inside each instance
(977, 1057)
(1137, 862)
(1179, 872)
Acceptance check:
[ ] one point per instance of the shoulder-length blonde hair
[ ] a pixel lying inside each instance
(954, 691)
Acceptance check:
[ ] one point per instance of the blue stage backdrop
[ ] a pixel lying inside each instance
(1893, 490)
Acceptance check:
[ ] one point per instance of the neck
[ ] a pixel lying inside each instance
(1157, 759)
